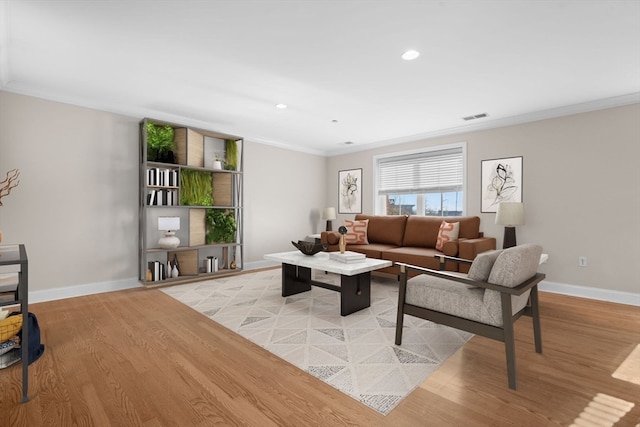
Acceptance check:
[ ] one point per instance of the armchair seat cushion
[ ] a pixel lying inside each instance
(457, 299)
(508, 268)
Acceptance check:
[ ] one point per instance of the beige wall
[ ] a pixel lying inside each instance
(76, 207)
(581, 190)
(284, 192)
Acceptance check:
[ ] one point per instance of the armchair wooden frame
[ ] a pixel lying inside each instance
(504, 333)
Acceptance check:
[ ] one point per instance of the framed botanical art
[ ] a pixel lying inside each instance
(501, 181)
(350, 191)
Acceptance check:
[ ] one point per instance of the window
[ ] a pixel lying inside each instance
(429, 181)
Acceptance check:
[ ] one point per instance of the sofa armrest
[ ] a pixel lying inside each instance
(329, 237)
(470, 248)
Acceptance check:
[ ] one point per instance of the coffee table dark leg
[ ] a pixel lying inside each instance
(355, 293)
(295, 279)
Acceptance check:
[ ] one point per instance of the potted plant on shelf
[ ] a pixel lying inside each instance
(196, 188)
(160, 143)
(221, 226)
(231, 150)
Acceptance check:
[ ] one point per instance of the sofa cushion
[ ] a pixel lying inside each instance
(372, 250)
(422, 231)
(469, 226)
(448, 232)
(482, 265)
(386, 229)
(422, 257)
(356, 232)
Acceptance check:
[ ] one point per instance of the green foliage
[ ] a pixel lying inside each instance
(231, 148)
(196, 188)
(160, 141)
(221, 226)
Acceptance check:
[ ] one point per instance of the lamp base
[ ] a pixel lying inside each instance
(169, 240)
(509, 237)
(329, 226)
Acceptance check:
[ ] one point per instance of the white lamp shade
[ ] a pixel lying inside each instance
(510, 213)
(169, 223)
(329, 213)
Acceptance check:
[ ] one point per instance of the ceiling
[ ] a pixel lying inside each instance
(224, 65)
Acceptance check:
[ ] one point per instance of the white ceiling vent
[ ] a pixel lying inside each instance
(477, 116)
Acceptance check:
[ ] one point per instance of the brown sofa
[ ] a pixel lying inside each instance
(412, 240)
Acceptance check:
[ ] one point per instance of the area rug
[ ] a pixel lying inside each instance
(355, 354)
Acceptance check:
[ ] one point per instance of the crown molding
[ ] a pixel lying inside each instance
(585, 107)
(600, 104)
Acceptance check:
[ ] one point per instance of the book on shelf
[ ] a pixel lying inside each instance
(162, 197)
(347, 257)
(158, 270)
(161, 177)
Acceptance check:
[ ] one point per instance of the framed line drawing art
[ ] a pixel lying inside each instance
(501, 181)
(350, 191)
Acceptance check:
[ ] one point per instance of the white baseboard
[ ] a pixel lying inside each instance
(619, 297)
(81, 290)
(255, 265)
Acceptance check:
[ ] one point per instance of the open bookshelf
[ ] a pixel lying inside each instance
(190, 189)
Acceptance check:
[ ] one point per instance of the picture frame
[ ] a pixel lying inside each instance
(501, 181)
(350, 191)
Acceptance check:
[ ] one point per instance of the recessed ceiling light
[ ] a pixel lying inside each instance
(281, 106)
(410, 55)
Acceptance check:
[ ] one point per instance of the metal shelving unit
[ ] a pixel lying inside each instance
(196, 151)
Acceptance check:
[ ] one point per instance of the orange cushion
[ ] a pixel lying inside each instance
(448, 232)
(356, 232)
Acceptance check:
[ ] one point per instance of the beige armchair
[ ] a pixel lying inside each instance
(500, 286)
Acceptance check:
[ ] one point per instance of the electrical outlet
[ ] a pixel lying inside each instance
(582, 261)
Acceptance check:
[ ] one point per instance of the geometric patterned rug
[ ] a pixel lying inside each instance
(355, 354)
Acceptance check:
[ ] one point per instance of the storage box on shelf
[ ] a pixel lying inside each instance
(189, 183)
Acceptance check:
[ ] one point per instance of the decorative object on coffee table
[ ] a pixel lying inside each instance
(342, 230)
(309, 248)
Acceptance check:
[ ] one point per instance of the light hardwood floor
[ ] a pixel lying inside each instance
(140, 358)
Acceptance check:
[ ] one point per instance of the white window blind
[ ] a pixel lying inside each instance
(428, 172)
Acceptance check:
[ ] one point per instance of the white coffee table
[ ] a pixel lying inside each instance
(355, 278)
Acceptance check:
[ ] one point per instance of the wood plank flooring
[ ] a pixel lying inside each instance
(140, 358)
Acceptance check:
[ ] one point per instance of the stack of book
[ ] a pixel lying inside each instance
(347, 257)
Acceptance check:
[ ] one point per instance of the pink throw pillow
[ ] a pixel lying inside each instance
(356, 232)
(448, 232)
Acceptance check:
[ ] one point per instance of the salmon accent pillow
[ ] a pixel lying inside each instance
(448, 232)
(356, 232)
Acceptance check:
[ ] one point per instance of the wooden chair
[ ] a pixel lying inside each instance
(500, 286)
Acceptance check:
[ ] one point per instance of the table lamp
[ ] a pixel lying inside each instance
(169, 224)
(510, 214)
(329, 214)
